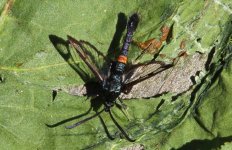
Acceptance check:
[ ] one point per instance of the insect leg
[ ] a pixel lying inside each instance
(83, 121)
(105, 128)
(122, 107)
(120, 128)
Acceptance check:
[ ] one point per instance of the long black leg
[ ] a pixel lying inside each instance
(105, 128)
(83, 121)
(122, 107)
(120, 128)
(69, 119)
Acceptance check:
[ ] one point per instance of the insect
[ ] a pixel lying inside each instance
(117, 79)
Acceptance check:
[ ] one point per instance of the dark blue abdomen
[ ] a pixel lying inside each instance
(112, 86)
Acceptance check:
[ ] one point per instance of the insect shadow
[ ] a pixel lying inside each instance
(62, 46)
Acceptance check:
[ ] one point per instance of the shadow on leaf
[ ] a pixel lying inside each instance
(62, 47)
(206, 144)
(115, 42)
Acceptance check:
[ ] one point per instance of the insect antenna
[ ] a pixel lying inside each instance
(84, 120)
(120, 128)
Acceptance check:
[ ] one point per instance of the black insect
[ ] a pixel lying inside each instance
(117, 79)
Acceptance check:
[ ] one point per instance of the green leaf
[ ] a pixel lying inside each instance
(32, 66)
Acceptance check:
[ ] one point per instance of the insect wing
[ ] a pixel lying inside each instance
(141, 72)
(143, 81)
(85, 56)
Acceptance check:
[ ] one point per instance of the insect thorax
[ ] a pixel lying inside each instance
(113, 84)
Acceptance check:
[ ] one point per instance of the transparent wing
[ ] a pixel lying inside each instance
(86, 56)
(142, 72)
(155, 78)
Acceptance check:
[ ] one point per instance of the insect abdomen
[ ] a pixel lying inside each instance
(115, 80)
(131, 27)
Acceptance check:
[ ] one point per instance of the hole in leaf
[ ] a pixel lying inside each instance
(198, 40)
(54, 93)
